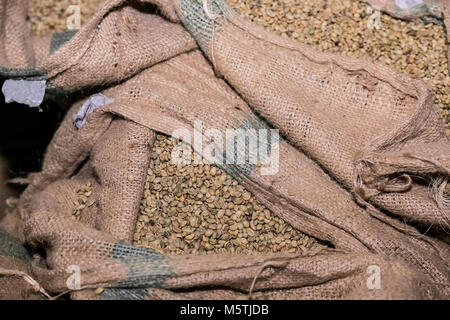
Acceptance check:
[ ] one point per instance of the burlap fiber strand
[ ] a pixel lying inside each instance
(358, 178)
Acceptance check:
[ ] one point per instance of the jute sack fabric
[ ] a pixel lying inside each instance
(120, 40)
(383, 125)
(18, 48)
(291, 194)
(15, 263)
(131, 272)
(385, 133)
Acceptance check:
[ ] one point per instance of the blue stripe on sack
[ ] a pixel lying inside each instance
(146, 269)
(243, 149)
(124, 294)
(197, 22)
(60, 38)
(29, 73)
(11, 246)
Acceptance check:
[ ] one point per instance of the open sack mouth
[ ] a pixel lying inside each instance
(362, 159)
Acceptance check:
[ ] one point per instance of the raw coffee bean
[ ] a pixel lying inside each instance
(205, 211)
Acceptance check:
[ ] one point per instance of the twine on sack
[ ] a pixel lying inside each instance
(362, 196)
(32, 178)
(267, 264)
(86, 287)
(436, 192)
(402, 183)
(395, 184)
(36, 286)
(359, 191)
(20, 181)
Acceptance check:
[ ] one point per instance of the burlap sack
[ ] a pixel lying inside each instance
(15, 283)
(117, 42)
(362, 122)
(132, 271)
(384, 131)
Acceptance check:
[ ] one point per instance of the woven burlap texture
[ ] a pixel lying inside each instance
(362, 144)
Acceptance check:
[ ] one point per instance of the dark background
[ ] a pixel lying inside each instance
(24, 135)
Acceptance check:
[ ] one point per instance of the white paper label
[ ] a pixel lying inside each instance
(25, 92)
(95, 101)
(407, 4)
